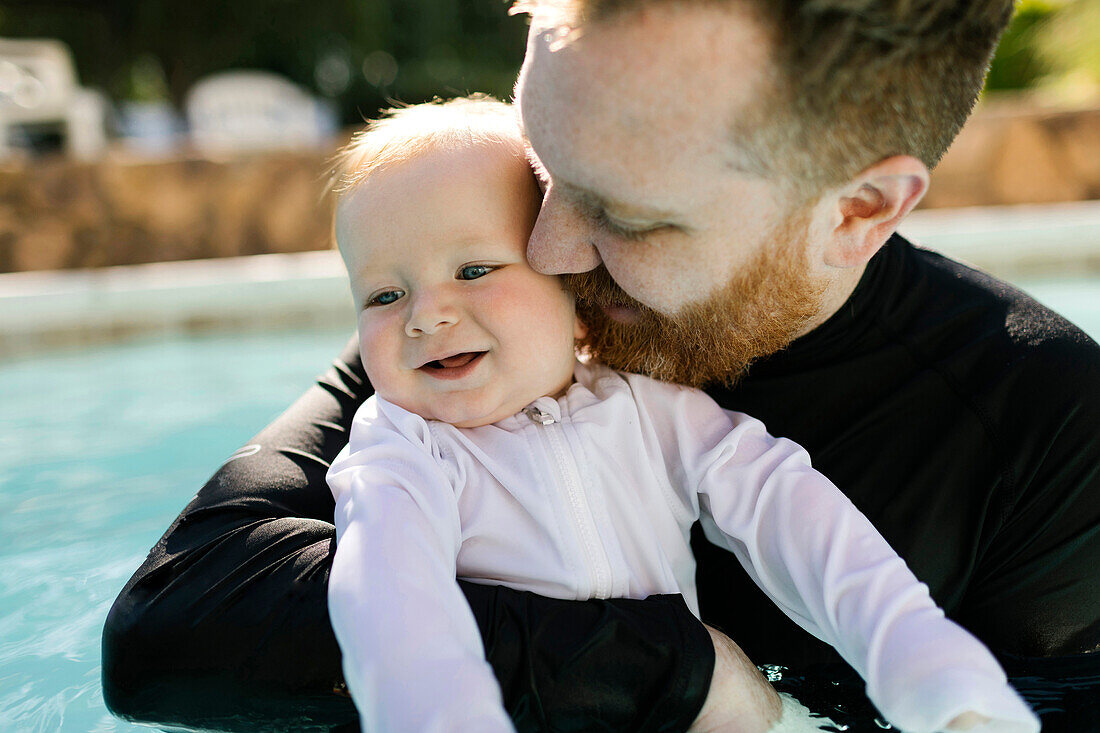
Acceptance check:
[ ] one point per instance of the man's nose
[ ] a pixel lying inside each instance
(561, 240)
(429, 313)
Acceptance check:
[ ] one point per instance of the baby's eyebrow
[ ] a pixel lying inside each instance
(367, 280)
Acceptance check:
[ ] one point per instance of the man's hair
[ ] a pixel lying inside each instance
(401, 133)
(854, 81)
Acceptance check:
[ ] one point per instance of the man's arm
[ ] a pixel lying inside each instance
(824, 565)
(225, 625)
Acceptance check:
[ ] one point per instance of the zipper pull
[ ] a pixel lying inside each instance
(537, 415)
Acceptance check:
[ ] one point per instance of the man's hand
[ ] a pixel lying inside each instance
(967, 721)
(740, 700)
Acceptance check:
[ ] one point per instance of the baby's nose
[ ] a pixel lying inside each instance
(429, 314)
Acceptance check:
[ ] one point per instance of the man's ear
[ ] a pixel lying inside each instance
(871, 206)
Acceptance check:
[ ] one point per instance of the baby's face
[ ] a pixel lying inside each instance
(454, 325)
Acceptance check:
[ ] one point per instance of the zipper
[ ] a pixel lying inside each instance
(538, 415)
(598, 563)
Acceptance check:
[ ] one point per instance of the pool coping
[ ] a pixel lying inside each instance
(85, 307)
(309, 289)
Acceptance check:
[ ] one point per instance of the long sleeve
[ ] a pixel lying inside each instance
(823, 563)
(225, 625)
(413, 656)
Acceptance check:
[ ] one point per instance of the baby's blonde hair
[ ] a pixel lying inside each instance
(400, 133)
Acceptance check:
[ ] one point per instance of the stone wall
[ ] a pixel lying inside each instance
(1010, 154)
(57, 214)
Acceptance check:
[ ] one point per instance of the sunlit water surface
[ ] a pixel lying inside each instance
(99, 450)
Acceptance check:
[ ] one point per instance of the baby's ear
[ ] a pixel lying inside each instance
(579, 329)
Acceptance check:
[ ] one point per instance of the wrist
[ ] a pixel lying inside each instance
(740, 699)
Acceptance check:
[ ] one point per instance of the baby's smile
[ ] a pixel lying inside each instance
(455, 366)
(454, 324)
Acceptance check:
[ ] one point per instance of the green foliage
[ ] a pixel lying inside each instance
(1017, 63)
(146, 81)
(364, 53)
(361, 53)
(1049, 41)
(1070, 41)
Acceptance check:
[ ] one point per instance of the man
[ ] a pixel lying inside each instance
(725, 179)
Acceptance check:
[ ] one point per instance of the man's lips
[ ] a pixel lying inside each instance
(454, 366)
(622, 313)
(613, 309)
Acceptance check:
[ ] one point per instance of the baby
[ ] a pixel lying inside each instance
(489, 451)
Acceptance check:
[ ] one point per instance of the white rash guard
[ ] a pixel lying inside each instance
(593, 495)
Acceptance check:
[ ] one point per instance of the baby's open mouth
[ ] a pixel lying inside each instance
(455, 361)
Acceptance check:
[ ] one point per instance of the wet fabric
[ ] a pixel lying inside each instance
(957, 413)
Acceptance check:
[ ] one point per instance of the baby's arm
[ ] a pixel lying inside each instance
(823, 563)
(412, 653)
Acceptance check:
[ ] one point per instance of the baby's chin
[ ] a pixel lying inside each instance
(481, 418)
(455, 410)
(463, 412)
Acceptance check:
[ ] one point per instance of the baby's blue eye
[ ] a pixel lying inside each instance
(385, 297)
(473, 272)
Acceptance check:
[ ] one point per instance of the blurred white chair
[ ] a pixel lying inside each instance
(38, 86)
(238, 111)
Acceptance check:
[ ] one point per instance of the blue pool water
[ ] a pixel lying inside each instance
(100, 449)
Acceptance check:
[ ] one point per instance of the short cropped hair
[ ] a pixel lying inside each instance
(401, 133)
(855, 81)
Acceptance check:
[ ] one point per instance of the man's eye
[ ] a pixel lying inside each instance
(473, 272)
(384, 298)
(632, 235)
(610, 225)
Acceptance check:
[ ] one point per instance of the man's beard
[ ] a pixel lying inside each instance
(761, 310)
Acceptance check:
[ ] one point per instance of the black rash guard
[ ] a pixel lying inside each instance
(961, 416)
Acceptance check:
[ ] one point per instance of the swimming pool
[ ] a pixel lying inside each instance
(99, 450)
